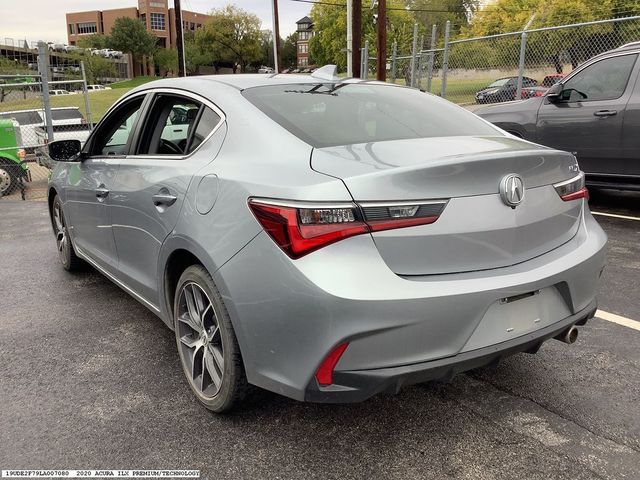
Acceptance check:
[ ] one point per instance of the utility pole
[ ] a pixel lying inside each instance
(356, 24)
(276, 37)
(381, 66)
(349, 38)
(182, 67)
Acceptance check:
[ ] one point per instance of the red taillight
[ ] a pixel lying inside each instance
(582, 193)
(572, 189)
(299, 228)
(539, 93)
(285, 227)
(324, 374)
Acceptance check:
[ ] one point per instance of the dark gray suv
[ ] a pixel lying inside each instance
(594, 112)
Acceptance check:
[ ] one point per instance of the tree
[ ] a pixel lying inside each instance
(289, 51)
(97, 41)
(428, 13)
(196, 55)
(232, 34)
(167, 60)
(129, 35)
(329, 43)
(95, 67)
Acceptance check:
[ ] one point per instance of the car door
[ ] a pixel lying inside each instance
(630, 164)
(151, 184)
(587, 118)
(90, 181)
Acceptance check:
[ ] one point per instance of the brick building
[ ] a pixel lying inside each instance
(156, 15)
(305, 32)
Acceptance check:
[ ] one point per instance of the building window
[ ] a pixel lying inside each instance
(143, 18)
(72, 29)
(303, 48)
(87, 27)
(199, 25)
(303, 62)
(157, 5)
(157, 21)
(192, 26)
(304, 35)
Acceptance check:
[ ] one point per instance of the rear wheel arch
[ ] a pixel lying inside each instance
(177, 262)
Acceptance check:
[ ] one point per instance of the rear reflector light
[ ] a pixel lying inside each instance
(572, 189)
(324, 374)
(300, 228)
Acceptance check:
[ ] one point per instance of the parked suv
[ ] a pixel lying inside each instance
(593, 112)
(12, 168)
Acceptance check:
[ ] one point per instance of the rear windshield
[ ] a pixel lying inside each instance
(65, 114)
(325, 115)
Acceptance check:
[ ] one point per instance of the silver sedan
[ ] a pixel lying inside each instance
(327, 239)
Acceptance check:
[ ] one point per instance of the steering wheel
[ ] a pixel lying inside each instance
(169, 145)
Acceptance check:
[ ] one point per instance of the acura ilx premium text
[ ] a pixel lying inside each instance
(327, 239)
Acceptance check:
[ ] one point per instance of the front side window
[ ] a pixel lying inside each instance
(112, 136)
(328, 114)
(604, 80)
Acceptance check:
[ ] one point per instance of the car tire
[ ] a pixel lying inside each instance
(8, 177)
(68, 258)
(206, 342)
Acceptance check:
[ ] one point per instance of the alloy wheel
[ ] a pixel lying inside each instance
(201, 342)
(62, 237)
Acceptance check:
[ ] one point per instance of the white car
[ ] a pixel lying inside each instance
(93, 88)
(58, 92)
(264, 69)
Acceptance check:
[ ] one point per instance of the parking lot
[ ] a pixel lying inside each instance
(90, 379)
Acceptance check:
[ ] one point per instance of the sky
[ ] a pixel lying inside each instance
(45, 19)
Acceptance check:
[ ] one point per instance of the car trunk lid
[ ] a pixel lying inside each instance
(476, 230)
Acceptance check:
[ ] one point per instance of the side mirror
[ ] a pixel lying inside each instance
(65, 150)
(554, 93)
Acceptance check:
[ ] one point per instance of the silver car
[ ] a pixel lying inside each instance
(327, 239)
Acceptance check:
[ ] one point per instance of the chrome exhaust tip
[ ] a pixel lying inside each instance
(570, 335)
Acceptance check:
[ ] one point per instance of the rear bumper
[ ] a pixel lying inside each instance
(358, 385)
(289, 314)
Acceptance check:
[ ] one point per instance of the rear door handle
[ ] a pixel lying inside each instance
(164, 199)
(605, 113)
(102, 192)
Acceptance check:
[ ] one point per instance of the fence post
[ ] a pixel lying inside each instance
(445, 60)
(43, 64)
(413, 54)
(394, 59)
(365, 60)
(523, 49)
(431, 57)
(85, 92)
(420, 66)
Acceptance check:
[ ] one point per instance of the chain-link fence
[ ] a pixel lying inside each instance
(507, 66)
(40, 101)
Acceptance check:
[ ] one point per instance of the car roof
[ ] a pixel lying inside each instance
(242, 81)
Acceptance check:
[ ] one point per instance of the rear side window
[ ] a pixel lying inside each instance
(325, 114)
(207, 122)
(70, 114)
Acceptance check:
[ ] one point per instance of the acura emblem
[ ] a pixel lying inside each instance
(512, 189)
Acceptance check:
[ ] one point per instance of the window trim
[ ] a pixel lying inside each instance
(144, 118)
(593, 62)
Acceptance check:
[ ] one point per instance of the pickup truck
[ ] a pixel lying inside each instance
(29, 120)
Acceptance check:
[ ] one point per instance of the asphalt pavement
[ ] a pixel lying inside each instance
(89, 378)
